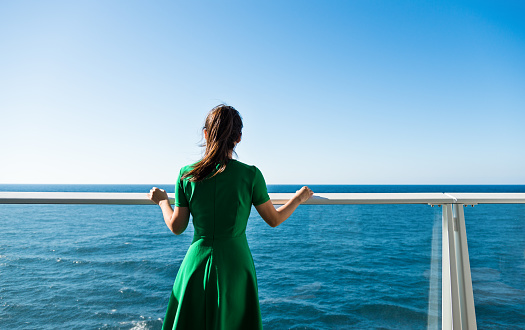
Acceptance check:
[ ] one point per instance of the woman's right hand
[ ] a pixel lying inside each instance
(303, 194)
(157, 195)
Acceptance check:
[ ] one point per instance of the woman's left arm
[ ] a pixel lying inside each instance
(176, 220)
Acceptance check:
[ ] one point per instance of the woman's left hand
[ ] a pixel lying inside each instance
(157, 195)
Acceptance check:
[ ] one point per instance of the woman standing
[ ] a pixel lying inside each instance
(216, 286)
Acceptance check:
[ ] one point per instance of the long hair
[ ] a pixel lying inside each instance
(224, 127)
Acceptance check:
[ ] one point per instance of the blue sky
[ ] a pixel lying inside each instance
(334, 92)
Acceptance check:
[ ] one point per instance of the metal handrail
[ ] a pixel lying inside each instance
(277, 198)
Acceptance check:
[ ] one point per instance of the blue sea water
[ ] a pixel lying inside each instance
(327, 267)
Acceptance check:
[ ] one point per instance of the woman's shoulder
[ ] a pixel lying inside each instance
(247, 169)
(187, 168)
(244, 166)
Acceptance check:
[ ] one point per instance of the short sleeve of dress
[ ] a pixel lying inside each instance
(180, 197)
(259, 190)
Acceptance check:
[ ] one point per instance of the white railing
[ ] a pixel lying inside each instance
(458, 310)
(277, 198)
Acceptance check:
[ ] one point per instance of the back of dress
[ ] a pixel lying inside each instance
(220, 205)
(216, 285)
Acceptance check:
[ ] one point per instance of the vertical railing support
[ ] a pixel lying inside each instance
(457, 297)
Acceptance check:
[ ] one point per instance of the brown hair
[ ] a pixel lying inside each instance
(224, 127)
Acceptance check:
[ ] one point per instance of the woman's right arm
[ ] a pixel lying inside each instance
(274, 217)
(176, 220)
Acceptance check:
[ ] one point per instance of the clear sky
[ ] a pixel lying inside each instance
(334, 92)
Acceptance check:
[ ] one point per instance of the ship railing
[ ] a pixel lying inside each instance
(457, 299)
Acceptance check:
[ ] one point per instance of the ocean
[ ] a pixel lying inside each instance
(326, 267)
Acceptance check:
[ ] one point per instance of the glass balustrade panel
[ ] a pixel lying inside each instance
(86, 266)
(350, 267)
(496, 243)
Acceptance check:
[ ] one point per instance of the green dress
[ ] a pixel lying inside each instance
(216, 285)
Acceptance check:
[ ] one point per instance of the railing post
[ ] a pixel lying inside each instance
(457, 297)
(468, 313)
(450, 303)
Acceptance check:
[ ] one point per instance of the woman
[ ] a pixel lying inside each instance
(216, 286)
